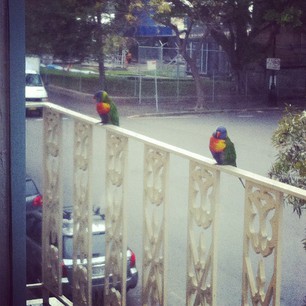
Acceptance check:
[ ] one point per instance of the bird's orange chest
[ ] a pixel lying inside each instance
(217, 145)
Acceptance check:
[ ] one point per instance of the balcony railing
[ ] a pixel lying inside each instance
(261, 254)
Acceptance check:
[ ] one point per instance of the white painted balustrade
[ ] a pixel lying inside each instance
(262, 210)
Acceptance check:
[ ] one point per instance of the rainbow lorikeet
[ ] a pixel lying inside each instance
(111, 115)
(222, 148)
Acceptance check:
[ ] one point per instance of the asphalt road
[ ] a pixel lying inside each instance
(251, 132)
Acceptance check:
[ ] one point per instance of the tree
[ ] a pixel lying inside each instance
(163, 12)
(290, 166)
(245, 29)
(72, 30)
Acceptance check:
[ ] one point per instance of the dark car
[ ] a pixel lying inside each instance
(33, 196)
(34, 230)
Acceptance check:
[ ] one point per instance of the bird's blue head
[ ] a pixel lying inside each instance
(98, 96)
(221, 132)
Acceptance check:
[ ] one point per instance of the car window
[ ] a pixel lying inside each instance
(33, 80)
(98, 246)
(30, 188)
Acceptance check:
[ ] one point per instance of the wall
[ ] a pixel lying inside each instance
(4, 160)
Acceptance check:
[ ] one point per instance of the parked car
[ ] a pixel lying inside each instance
(34, 254)
(33, 196)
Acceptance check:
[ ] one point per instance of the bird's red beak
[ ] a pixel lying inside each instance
(218, 134)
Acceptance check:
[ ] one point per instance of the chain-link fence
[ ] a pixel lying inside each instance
(209, 59)
(161, 76)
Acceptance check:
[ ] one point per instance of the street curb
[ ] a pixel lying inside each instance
(201, 112)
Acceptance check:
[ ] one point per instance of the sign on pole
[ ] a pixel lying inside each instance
(273, 63)
(151, 65)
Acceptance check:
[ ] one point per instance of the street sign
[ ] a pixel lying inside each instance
(273, 63)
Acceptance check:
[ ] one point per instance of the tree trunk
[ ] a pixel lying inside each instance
(100, 51)
(240, 81)
(200, 102)
(102, 79)
(191, 60)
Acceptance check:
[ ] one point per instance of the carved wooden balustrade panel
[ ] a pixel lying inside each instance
(116, 240)
(52, 207)
(262, 242)
(201, 239)
(261, 267)
(156, 172)
(82, 214)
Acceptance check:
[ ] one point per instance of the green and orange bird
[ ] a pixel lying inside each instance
(107, 109)
(223, 149)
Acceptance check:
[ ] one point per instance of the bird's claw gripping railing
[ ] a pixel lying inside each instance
(263, 198)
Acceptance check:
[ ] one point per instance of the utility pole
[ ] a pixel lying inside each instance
(273, 64)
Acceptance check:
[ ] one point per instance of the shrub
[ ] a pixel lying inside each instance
(290, 165)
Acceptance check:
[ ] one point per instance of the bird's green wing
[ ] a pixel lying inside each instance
(229, 153)
(113, 113)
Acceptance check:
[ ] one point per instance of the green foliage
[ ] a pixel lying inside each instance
(53, 27)
(88, 83)
(71, 29)
(123, 83)
(117, 84)
(290, 166)
(289, 16)
(245, 29)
